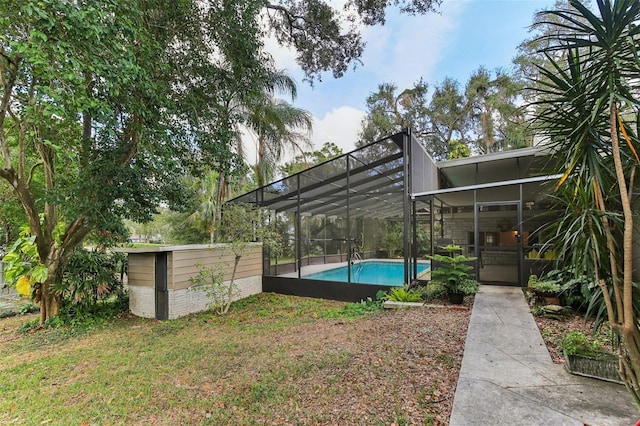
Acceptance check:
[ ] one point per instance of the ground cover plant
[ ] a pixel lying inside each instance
(555, 330)
(272, 359)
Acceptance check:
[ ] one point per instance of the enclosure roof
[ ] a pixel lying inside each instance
(495, 167)
(373, 176)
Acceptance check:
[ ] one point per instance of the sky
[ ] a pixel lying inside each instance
(465, 35)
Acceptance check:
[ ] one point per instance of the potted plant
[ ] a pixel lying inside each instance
(453, 271)
(587, 357)
(547, 289)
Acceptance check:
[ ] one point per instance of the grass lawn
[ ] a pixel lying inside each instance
(273, 360)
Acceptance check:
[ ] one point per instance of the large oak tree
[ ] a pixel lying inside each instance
(104, 104)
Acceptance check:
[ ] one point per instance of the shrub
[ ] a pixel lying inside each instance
(91, 277)
(211, 280)
(403, 294)
(577, 343)
(544, 285)
(432, 291)
(453, 270)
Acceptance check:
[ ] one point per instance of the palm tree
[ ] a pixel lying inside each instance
(589, 108)
(276, 124)
(208, 213)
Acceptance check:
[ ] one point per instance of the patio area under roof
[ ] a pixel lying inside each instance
(389, 201)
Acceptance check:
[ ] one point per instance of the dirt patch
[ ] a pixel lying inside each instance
(398, 367)
(554, 330)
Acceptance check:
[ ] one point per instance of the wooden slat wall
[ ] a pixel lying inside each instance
(142, 269)
(184, 264)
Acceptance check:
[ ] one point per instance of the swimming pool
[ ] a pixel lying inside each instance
(369, 272)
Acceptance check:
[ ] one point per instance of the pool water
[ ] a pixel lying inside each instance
(370, 272)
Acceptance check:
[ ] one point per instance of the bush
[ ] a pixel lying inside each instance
(432, 291)
(219, 294)
(546, 285)
(403, 294)
(92, 276)
(577, 343)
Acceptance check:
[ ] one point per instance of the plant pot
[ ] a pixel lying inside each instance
(552, 300)
(602, 368)
(455, 297)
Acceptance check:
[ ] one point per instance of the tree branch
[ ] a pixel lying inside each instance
(289, 16)
(31, 172)
(5, 105)
(134, 141)
(74, 235)
(7, 174)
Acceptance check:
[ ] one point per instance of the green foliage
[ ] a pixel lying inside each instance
(577, 290)
(423, 240)
(404, 294)
(317, 31)
(11, 214)
(355, 309)
(21, 260)
(91, 289)
(309, 159)
(577, 343)
(90, 277)
(106, 105)
(73, 319)
(277, 125)
(469, 286)
(544, 285)
(181, 230)
(207, 215)
(453, 271)
(484, 115)
(432, 291)
(241, 224)
(77, 320)
(537, 311)
(388, 112)
(393, 238)
(211, 280)
(588, 108)
(458, 150)
(22, 309)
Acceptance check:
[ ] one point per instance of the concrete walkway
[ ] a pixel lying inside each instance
(508, 377)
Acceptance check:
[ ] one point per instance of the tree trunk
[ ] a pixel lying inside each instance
(629, 366)
(49, 302)
(231, 284)
(218, 207)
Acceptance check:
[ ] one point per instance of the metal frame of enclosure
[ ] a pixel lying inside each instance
(390, 200)
(343, 211)
(496, 208)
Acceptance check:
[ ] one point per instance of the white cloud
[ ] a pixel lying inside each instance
(340, 126)
(410, 47)
(284, 57)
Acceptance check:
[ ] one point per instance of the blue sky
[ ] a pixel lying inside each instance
(465, 35)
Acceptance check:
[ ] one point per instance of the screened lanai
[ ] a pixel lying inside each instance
(495, 207)
(343, 223)
(370, 219)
